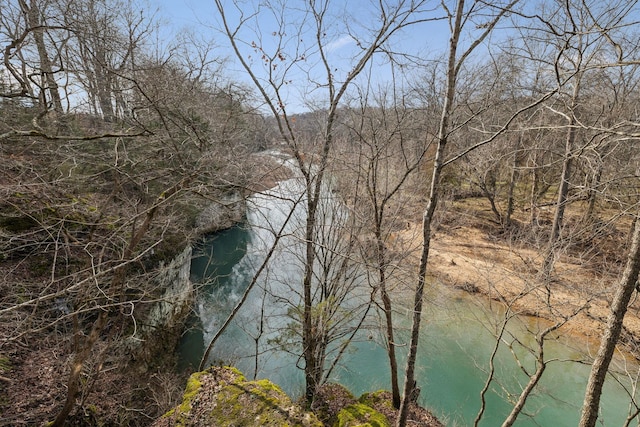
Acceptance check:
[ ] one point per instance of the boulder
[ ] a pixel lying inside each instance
(222, 397)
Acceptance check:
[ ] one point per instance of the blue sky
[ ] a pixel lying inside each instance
(201, 17)
(182, 14)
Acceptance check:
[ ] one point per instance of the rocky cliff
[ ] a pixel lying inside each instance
(162, 326)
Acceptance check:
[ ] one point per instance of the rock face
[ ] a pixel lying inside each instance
(222, 214)
(222, 397)
(178, 294)
(161, 327)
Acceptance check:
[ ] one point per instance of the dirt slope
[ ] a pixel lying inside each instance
(469, 251)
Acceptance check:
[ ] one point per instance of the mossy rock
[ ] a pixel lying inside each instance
(361, 415)
(222, 397)
(180, 413)
(329, 400)
(377, 400)
(382, 402)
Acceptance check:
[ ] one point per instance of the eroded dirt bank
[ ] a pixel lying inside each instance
(470, 252)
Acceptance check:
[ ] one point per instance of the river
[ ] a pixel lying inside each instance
(455, 346)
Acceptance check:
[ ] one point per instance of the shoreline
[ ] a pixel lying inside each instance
(464, 259)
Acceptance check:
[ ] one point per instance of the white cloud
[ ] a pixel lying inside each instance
(339, 43)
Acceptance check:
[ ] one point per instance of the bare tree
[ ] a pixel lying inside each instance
(107, 39)
(305, 45)
(34, 13)
(626, 287)
(454, 63)
(583, 36)
(383, 150)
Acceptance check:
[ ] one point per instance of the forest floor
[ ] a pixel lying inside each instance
(472, 252)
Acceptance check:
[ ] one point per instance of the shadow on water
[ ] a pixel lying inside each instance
(214, 257)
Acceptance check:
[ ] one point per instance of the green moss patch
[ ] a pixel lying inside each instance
(5, 364)
(180, 414)
(381, 401)
(361, 415)
(222, 397)
(329, 400)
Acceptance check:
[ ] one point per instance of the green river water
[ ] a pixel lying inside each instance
(456, 342)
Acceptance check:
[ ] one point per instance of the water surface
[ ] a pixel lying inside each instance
(456, 342)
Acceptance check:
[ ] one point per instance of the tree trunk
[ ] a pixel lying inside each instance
(103, 83)
(410, 388)
(535, 184)
(386, 303)
(533, 382)
(612, 333)
(490, 194)
(593, 194)
(32, 13)
(512, 184)
(561, 204)
(76, 369)
(563, 191)
(310, 336)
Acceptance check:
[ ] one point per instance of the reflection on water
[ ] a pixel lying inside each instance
(456, 342)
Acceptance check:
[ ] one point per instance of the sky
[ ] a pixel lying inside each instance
(184, 13)
(200, 17)
(305, 79)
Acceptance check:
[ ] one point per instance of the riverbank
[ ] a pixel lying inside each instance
(471, 252)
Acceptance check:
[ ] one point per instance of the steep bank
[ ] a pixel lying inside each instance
(129, 373)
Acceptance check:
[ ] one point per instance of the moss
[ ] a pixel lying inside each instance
(193, 386)
(235, 371)
(222, 397)
(329, 400)
(5, 364)
(376, 399)
(361, 415)
(256, 403)
(180, 412)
